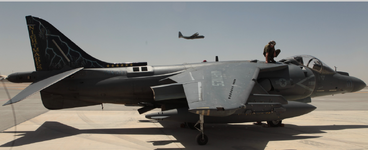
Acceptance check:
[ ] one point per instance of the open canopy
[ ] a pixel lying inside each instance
(311, 62)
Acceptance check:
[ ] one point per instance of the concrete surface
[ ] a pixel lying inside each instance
(339, 122)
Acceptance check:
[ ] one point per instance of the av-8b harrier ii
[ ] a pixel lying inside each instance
(209, 92)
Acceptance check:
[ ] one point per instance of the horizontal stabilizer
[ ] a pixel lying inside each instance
(40, 85)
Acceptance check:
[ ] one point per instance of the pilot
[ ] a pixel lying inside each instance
(269, 52)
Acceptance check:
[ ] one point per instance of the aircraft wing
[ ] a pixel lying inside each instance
(195, 35)
(218, 90)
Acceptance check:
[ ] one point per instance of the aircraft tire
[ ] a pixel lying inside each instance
(202, 141)
(274, 123)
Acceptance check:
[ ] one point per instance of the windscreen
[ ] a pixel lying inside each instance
(310, 62)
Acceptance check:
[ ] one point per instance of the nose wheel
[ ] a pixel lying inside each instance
(202, 139)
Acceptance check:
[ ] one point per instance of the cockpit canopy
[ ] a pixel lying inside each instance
(311, 62)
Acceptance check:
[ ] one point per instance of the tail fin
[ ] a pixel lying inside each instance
(52, 50)
(180, 35)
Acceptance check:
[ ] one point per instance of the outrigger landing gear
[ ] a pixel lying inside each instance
(202, 139)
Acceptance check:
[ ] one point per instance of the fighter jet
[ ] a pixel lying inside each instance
(209, 92)
(194, 36)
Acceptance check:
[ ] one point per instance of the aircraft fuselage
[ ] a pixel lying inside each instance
(132, 85)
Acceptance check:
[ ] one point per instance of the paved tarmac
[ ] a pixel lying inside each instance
(339, 122)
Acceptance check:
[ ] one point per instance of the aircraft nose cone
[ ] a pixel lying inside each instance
(358, 85)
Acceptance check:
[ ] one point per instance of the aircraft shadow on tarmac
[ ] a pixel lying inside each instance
(221, 135)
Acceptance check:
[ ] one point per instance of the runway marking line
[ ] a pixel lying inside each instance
(361, 92)
(5, 100)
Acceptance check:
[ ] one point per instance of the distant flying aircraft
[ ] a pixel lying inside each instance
(194, 36)
(208, 92)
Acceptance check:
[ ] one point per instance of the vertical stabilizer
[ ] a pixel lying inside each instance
(180, 35)
(52, 50)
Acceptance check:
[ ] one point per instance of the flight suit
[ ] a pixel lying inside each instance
(270, 51)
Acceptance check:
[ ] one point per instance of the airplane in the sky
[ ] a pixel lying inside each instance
(206, 92)
(194, 36)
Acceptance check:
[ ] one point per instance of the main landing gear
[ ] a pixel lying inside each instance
(202, 139)
(275, 123)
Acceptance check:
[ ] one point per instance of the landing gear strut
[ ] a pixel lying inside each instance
(202, 139)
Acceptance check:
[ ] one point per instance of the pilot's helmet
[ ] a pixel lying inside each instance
(272, 42)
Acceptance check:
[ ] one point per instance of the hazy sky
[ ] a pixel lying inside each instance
(335, 32)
